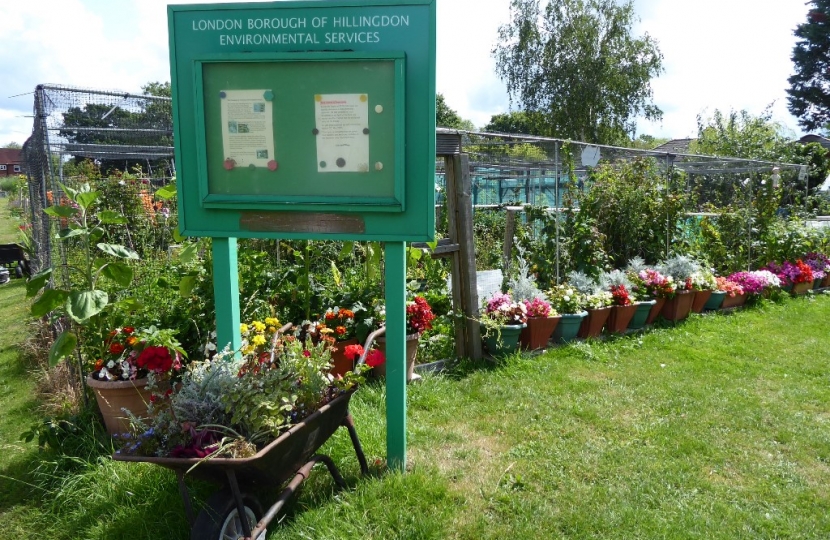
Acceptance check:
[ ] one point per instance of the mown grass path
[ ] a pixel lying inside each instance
(17, 405)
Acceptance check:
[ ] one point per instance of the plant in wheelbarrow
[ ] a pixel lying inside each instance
(248, 419)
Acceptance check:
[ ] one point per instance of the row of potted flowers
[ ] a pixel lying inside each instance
(629, 299)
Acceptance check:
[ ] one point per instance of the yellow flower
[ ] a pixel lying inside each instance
(271, 321)
(326, 330)
(243, 328)
(258, 339)
(272, 329)
(248, 350)
(258, 326)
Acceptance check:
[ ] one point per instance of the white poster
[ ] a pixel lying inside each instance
(342, 132)
(247, 128)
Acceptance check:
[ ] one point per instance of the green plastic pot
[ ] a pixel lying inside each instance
(715, 301)
(568, 327)
(640, 316)
(504, 341)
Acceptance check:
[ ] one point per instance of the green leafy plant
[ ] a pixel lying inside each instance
(82, 299)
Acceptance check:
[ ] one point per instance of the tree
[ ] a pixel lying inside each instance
(809, 92)
(743, 135)
(13, 145)
(577, 64)
(516, 122)
(647, 142)
(445, 116)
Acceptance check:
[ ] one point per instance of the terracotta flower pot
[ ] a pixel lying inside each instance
(715, 300)
(733, 301)
(641, 314)
(593, 323)
(826, 281)
(538, 331)
(411, 354)
(700, 299)
(679, 307)
(620, 318)
(113, 396)
(655, 310)
(568, 327)
(341, 364)
(802, 288)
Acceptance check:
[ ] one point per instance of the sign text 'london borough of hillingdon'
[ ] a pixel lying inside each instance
(300, 30)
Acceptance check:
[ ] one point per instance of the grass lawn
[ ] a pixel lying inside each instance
(718, 427)
(16, 387)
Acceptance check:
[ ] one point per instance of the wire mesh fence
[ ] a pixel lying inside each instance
(520, 172)
(117, 131)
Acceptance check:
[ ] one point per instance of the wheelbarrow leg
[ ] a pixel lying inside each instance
(358, 448)
(292, 486)
(240, 504)
(188, 506)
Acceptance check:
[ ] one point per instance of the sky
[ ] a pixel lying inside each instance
(718, 54)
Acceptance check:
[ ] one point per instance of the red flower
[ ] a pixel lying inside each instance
(620, 295)
(128, 330)
(375, 357)
(155, 359)
(353, 352)
(329, 315)
(419, 315)
(307, 354)
(341, 330)
(116, 348)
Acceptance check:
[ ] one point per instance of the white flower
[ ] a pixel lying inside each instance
(104, 374)
(566, 298)
(111, 364)
(125, 375)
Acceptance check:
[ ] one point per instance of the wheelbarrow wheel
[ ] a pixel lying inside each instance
(219, 519)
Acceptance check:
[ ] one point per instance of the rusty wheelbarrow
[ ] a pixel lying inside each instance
(291, 456)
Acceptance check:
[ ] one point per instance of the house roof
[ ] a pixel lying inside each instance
(812, 137)
(675, 146)
(10, 156)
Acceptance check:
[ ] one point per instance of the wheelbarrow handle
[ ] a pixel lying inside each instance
(376, 334)
(286, 328)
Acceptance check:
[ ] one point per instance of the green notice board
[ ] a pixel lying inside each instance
(305, 119)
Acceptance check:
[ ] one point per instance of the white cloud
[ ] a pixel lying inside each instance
(720, 54)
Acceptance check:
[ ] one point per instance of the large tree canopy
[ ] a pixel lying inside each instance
(809, 92)
(517, 122)
(577, 64)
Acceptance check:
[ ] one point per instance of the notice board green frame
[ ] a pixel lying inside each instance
(290, 181)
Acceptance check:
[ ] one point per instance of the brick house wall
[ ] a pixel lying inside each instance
(11, 162)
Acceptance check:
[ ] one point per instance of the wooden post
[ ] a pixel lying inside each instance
(509, 231)
(226, 293)
(395, 271)
(455, 266)
(468, 283)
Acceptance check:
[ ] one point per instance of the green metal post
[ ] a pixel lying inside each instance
(226, 291)
(396, 355)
